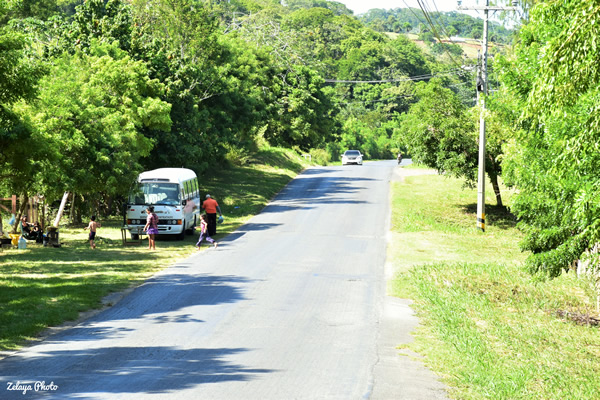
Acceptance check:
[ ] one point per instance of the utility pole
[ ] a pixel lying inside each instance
(482, 85)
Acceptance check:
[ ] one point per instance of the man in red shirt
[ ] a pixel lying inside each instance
(211, 207)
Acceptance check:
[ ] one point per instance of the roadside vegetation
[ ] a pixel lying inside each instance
(94, 92)
(45, 286)
(488, 327)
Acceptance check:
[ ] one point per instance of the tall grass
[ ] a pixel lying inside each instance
(488, 328)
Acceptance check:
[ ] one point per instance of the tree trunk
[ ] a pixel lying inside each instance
(109, 205)
(44, 212)
(72, 213)
(496, 186)
(22, 209)
(61, 209)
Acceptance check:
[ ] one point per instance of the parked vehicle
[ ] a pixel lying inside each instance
(175, 195)
(352, 157)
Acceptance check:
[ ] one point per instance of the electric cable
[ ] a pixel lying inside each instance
(435, 31)
(455, 71)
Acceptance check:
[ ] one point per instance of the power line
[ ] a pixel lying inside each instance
(456, 71)
(413, 13)
(435, 32)
(374, 101)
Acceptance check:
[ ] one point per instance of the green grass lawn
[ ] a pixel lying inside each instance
(45, 286)
(488, 328)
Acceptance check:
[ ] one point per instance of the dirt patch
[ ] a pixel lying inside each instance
(579, 318)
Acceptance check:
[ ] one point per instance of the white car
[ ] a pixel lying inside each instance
(352, 157)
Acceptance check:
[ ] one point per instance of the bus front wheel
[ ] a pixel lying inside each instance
(190, 231)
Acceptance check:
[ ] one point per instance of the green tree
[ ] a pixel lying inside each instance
(316, 34)
(305, 115)
(179, 40)
(427, 37)
(477, 32)
(405, 58)
(442, 133)
(89, 116)
(20, 71)
(40, 9)
(553, 159)
(439, 133)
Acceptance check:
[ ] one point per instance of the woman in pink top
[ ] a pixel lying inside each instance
(151, 227)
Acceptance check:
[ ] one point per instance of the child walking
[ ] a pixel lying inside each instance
(204, 232)
(92, 226)
(151, 227)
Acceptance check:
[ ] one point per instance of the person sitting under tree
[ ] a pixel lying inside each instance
(27, 229)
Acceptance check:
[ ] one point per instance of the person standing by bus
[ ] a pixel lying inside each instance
(211, 207)
(151, 227)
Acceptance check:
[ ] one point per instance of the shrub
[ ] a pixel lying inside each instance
(320, 156)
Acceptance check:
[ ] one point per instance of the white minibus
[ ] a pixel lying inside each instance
(175, 195)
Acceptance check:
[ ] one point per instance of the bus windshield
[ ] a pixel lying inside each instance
(155, 193)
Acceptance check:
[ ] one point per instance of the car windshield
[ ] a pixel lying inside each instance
(155, 193)
(352, 153)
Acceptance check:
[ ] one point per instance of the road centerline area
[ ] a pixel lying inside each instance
(292, 310)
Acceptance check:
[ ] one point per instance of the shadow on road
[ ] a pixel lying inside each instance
(170, 292)
(115, 370)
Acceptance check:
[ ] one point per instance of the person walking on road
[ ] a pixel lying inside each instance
(211, 207)
(151, 228)
(204, 233)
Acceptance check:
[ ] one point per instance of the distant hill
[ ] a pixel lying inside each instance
(445, 24)
(468, 46)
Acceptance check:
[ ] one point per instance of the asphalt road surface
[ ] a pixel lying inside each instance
(290, 306)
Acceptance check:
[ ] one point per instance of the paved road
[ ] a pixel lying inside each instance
(290, 306)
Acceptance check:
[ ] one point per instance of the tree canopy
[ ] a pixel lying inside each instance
(110, 88)
(553, 157)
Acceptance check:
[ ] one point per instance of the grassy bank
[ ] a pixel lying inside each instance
(487, 327)
(42, 287)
